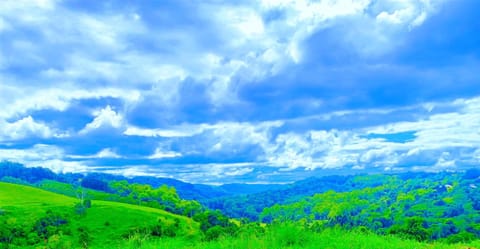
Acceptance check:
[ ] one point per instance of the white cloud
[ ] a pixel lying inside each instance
(104, 153)
(445, 162)
(405, 12)
(39, 152)
(252, 44)
(225, 135)
(104, 118)
(230, 136)
(178, 131)
(313, 149)
(24, 128)
(238, 171)
(135, 170)
(22, 100)
(327, 149)
(160, 154)
(61, 166)
(436, 134)
(42, 155)
(213, 173)
(107, 153)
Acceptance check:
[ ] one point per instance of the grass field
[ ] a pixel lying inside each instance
(107, 222)
(285, 238)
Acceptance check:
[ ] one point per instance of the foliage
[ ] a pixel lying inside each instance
(426, 207)
(368, 211)
(50, 224)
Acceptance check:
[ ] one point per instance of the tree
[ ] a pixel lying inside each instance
(413, 229)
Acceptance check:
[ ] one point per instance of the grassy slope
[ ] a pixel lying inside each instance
(28, 204)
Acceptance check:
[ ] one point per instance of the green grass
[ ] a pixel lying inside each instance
(328, 239)
(107, 222)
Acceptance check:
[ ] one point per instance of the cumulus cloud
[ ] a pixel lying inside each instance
(257, 41)
(229, 136)
(436, 137)
(107, 153)
(25, 127)
(104, 118)
(189, 87)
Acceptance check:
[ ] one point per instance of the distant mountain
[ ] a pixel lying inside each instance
(239, 189)
(185, 190)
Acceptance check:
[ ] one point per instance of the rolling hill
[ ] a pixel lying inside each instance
(37, 212)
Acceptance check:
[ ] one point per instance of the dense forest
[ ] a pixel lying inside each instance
(41, 209)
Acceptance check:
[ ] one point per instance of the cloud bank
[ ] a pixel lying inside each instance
(258, 91)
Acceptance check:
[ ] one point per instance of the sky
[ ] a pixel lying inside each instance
(240, 91)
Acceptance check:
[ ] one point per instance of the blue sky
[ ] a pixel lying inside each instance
(257, 91)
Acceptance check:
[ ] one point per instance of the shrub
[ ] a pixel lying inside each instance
(57, 241)
(165, 228)
(49, 225)
(289, 234)
(251, 228)
(462, 237)
(214, 232)
(84, 238)
(413, 229)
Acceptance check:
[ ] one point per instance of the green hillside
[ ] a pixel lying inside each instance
(26, 209)
(36, 218)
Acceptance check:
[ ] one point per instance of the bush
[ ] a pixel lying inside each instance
(49, 225)
(462, 237)
(165, 228)
(413, 229)
(33, 238)
(214, 232)
(57, 241)
(251, 228)
(289, 234)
